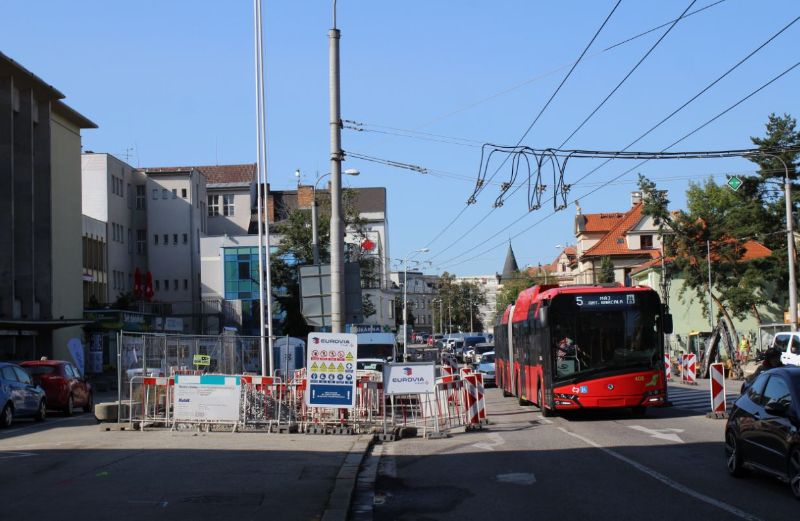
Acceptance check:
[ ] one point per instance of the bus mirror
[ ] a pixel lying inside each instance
(667, 323)
(543, 317)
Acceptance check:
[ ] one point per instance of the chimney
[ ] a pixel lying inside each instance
(271, 208)
(305, 196)
(636, 198)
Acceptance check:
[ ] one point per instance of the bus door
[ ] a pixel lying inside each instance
(511, 358)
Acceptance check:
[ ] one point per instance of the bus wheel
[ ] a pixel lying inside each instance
(545, 411)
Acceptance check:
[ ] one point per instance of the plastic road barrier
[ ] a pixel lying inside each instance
(689, 368)
(667, 366)
(717, 377)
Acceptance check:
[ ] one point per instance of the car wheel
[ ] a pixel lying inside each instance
(70, 406)
(89, 403)
(794, 472)
(7, 416)
(733, 455)
(41, 413)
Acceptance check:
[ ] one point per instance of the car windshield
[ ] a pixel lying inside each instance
(471, 341)
(488, 358)
(594, 333)
(376, 350)
(38, 370)
(484, 348)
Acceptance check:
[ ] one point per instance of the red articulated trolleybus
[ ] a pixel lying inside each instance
(580, 347)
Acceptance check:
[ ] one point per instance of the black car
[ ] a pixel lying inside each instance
(762, 430)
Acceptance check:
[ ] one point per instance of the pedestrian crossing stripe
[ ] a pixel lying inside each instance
(697, 400)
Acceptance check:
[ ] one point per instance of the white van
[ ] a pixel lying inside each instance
(789, 345)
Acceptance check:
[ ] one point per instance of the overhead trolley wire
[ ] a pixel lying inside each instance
(672, 114)
(607, 183)
(507, 186)
(530, 127)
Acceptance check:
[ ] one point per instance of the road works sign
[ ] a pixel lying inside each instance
(734, 182)
(409, 378)
(331, 363)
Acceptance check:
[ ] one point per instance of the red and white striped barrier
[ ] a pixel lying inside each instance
(471, 407)
(667, 366)
(689, 369)
(481, 399)
(465, 371)
(717, 378)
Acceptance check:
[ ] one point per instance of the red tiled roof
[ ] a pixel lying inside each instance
(614, 243)
(241, 174)
(600, 222)
(752, 250)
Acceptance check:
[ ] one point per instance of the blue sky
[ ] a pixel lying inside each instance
(174, 82)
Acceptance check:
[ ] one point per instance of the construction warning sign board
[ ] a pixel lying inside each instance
(331, 379)
(201, 360)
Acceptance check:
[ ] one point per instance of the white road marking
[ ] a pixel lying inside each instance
(496, 441)
(517, 478)
(661, 434)
(13, 455)
(543, 420)
(667, 481)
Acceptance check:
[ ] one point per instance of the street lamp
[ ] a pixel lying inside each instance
(405, 298)
(314, 233)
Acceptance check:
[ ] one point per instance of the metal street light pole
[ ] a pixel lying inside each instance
(405, 299)
(263, 217)
(314, 232)
(337, 231)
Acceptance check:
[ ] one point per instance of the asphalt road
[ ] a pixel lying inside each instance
(67, 468)
(668, 465)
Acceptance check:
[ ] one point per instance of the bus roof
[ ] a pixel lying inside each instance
(536, 294)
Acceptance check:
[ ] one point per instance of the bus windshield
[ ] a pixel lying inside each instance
(597, 333)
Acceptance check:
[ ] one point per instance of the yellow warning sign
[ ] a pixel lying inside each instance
(340, 369)
(323, 367)
(349, 357)
(314, 366)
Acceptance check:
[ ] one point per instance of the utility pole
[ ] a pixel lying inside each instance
(337, 229)
(710, 305)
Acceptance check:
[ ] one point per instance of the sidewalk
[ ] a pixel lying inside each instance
(129, 475)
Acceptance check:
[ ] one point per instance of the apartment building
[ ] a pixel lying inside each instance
(114, 193)
(176, 220)
(40, 216)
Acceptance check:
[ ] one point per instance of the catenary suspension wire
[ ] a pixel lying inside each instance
(530, 127)
(669, 116)
(697, 129)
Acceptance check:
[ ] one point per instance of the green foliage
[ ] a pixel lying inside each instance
(367, 307)
(511, 288)
(727, 219)
(460, 300)
(606, 274)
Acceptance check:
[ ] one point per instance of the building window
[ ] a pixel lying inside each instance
(174, 193)
(166, 284)
(140, 197)
(155, 239)
(175, 284)
(646, 242)
(174, 239)
(241, 273)
(227, 204)
(213, 205)
(164, 193)
(141, 241)
(185, 238)
(183, 193)
(158, 285)
(155, 194)
(130, 240)
(166, 239)
(130, 196)
(185, 284)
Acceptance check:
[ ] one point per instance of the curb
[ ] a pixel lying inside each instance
(341, 496)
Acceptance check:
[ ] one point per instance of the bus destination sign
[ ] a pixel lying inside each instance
(601, 301)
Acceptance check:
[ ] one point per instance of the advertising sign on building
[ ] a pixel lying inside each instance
(207, 398)
(410, 378)
(331, 366)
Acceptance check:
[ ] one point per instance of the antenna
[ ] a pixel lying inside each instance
(127, 154)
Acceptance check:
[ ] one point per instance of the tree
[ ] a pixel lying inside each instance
(606, 275)
(461, 300)
(513, 287)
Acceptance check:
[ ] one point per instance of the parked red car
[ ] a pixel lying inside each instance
(63, 385)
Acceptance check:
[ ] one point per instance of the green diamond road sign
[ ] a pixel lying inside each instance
(734, 182)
